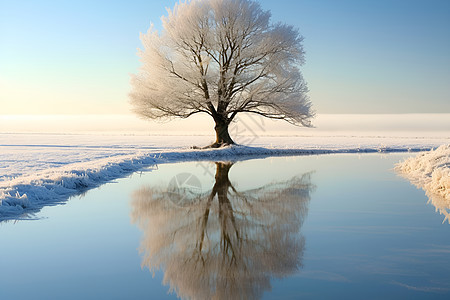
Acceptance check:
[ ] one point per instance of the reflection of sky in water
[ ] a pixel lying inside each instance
(368, 234)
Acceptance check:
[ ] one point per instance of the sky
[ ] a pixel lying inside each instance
(76, 57)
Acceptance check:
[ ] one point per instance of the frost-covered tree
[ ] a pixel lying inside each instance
(221, 57)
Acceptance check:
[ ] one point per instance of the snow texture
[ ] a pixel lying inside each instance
(37, 170)
(430, 171)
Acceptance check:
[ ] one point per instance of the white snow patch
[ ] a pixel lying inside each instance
(431, 172)
(28, 193)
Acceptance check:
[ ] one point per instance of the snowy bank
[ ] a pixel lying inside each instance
(21, 196)
(49, 181)
(431, 172)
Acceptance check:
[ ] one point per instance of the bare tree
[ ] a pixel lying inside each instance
(221, 57)
(225, 243)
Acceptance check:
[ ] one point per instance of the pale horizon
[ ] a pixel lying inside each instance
(437, 124)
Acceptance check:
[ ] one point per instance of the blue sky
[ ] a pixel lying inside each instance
(362, 56)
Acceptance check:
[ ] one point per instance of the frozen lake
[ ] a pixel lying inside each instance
(322, 226)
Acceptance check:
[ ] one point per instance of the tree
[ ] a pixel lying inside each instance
(223, 243)
(221, 57)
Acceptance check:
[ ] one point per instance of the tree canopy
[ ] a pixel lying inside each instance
(221, 57)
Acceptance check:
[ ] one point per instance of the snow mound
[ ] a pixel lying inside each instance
(431, 172)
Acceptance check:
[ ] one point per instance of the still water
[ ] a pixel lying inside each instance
(329, 226)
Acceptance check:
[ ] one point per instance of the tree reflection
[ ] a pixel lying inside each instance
(225, 244)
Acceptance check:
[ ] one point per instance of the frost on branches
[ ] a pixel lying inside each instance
(431, 172)
(221, 57)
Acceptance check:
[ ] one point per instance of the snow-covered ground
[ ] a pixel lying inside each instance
(26, 154)
(431, 172)
(39, 169)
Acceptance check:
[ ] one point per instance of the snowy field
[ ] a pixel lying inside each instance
(39, 169)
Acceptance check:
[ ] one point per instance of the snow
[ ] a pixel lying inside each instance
(31, 191)
(47, 169)
(431, 172)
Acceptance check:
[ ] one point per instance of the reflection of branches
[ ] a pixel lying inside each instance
(440, 204)
(225, 249)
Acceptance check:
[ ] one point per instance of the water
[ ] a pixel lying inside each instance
(329, 226)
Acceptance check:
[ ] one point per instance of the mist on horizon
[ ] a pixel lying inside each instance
(431, 124)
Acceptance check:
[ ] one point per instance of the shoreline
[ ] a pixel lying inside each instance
(23, 196)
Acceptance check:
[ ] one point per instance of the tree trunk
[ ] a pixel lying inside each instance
(222, 136)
